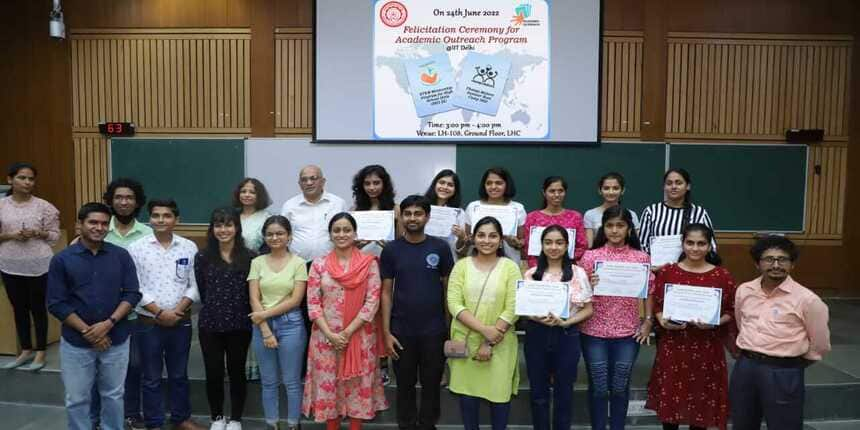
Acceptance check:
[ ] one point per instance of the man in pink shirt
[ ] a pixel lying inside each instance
(783, 329)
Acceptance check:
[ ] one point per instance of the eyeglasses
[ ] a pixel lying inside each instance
(781, 260)
(310, 179)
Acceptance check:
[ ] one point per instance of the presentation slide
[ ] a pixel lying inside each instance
(458, 71)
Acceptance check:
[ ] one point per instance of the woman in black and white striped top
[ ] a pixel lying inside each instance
(670, 216)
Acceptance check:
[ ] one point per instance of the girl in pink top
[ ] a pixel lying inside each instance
(29, 226)
(553, 212)
(611, 338)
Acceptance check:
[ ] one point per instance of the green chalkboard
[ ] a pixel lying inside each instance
(747, 187)
(642, 165)
(199, 174)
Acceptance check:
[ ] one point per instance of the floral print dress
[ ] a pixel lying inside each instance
(325, 396)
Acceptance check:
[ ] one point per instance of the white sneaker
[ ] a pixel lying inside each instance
(234, 425)
(219, 424)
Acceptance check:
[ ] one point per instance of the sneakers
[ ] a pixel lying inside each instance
(219, 424)
(233, 425)
(134, 423)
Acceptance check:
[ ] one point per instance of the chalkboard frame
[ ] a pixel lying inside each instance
(805, 189)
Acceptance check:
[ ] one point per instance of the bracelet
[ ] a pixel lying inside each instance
(112, 320)
(158, 314)
(266, 337)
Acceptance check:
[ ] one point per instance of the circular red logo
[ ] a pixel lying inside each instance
(393, 14)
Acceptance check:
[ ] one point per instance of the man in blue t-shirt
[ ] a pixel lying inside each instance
(415, 272)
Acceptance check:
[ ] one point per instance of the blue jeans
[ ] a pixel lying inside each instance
(132, 379)
(551, 350)
(160, 346)
(282, 364)
(610, 365)
(759, 389)
(470, 408)
(83, 367)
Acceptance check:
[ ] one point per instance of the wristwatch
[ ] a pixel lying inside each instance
(112, 320)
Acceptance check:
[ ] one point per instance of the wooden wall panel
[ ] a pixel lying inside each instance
(294, 80)
(621, 84)
(91, 168)
(825, 197)
(165, 81)
(744, 86)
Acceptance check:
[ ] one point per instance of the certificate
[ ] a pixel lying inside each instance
(374, 225)
(442, 218)
(690, 303)
(506, 215)
(539, 298)
(622, 279)
(535, 245)
(665, 249)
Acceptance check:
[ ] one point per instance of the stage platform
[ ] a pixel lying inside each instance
(833, 387)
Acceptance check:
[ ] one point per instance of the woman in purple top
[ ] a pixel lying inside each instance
(221, 270)
(29, 226)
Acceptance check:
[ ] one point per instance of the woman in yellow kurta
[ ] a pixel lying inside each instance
(486, 321)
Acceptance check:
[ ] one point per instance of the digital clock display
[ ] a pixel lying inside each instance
(116, 128)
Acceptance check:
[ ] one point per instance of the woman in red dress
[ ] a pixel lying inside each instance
(689, 381)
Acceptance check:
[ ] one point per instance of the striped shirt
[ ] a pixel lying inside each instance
(661, 220)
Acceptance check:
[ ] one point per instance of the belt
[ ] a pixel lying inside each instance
(152, 321)
(776, 361)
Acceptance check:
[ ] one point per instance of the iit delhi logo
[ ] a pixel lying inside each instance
(393, 14)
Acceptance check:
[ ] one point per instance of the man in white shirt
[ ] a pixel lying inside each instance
(165, 268)
(309, 214)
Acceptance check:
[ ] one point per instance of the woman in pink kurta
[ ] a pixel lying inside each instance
(343, 378)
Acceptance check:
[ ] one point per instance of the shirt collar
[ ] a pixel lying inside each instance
(323, 198)
(135, 228)
(79, 248)
(787, 286)
(154, 240)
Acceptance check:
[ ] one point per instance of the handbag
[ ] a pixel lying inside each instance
(460, 348)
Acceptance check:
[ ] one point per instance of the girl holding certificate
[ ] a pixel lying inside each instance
(552, 344)
(373, 190)
(669, 217)
(444, 191)
(343, 379)
(497, 191)
(610, 187)
(689, 381)
(553, 212)
(611, 337)
(481, 299)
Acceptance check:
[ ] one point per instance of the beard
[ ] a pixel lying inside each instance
(124, 219)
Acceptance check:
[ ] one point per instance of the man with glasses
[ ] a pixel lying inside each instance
(783, 329)
(309, 213)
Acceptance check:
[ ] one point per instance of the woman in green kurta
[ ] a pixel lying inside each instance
(489, 371)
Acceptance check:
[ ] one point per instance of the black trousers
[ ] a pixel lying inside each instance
(422, 359)
(27, 296)
(216, 346)
(765, 390)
